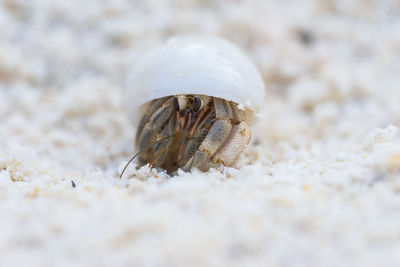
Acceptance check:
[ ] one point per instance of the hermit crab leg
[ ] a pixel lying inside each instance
(234, 144)
(188, 121)
(157, 156)
(155, 122)
(196, 157)
(199, 117)
(226, 139)
(146, 117)
(174, 126)
(239, 134)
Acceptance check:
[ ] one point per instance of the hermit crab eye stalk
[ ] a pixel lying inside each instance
(197, 103)
(175, 103)
(196, 97)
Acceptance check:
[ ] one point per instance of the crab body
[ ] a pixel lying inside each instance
(193, 101)
(191, 131)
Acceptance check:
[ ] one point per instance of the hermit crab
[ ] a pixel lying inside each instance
(192, 101)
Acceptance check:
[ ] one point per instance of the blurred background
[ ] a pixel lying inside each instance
(62, 41)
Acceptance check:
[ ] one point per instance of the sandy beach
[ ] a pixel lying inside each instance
(319, 184)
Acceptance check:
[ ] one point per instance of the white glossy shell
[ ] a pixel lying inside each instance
(195, 65)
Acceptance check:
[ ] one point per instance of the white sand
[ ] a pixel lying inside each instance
(319, 186)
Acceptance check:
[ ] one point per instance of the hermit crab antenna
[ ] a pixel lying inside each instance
(129, 162)
(137, 154)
